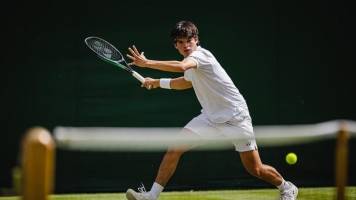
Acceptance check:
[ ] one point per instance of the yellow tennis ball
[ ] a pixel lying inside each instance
(291, 158)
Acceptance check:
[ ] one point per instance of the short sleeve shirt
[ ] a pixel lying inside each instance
(219, 97)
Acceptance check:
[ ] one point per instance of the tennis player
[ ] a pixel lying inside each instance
(224, 110)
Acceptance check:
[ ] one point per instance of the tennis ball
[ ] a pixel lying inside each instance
(291, 158)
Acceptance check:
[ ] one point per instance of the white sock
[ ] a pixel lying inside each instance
(283, 185)
(156, 189)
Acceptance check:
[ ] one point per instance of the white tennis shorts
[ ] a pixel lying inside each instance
(238, 128)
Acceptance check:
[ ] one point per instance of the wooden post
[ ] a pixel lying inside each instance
(341, 162)
(38, 152)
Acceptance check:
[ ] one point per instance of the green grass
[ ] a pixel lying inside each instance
(325, 193)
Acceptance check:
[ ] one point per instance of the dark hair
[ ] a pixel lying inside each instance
(184, 29)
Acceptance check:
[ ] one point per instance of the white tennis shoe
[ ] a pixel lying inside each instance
(133, 195)
(290, 193)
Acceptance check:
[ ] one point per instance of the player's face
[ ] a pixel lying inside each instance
(186, 46)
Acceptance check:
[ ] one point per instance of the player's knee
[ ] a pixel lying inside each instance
(175, 152)
(255, 171)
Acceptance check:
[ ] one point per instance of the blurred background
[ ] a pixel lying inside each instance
(292, 60)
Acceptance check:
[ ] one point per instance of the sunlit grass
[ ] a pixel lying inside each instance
(325, 193)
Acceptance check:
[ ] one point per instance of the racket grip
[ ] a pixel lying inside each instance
(138, 76)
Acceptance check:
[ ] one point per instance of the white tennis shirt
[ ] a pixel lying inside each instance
(219, 97)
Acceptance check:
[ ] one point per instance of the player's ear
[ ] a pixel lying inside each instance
(196, 40)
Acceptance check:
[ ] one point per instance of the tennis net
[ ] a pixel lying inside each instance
(123, 157)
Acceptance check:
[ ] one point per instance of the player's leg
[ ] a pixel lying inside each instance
(246, 145)
(166, 170)
(168, 165)
(253, 164)
(200, 126)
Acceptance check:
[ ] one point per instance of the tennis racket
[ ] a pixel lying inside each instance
(110, 54)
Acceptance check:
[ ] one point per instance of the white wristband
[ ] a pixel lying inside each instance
(165, 83)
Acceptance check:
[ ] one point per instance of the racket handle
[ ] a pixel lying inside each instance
(138, 76)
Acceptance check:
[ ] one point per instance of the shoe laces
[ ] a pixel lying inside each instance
(142, 188)
(287, 194)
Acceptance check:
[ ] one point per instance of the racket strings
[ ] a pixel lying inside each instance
(104, 49)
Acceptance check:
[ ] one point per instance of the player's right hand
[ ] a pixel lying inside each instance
(150, 83)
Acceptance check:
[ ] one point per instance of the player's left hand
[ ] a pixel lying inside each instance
(137, 58)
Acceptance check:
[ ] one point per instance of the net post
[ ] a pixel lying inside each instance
(38, 153)
(341, 164)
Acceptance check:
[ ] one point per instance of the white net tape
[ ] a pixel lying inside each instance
(143, 139)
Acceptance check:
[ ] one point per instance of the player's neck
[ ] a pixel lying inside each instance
(193, 49)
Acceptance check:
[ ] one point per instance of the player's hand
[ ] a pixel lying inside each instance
(150, 83)
(137, 58)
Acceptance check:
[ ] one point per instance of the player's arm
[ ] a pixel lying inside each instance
(140, 60)
(176, 83)
(171, 66)
(180, 83)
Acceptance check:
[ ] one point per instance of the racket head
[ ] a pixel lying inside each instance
(106, 51)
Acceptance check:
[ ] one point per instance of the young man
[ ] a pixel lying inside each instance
(224, 110)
